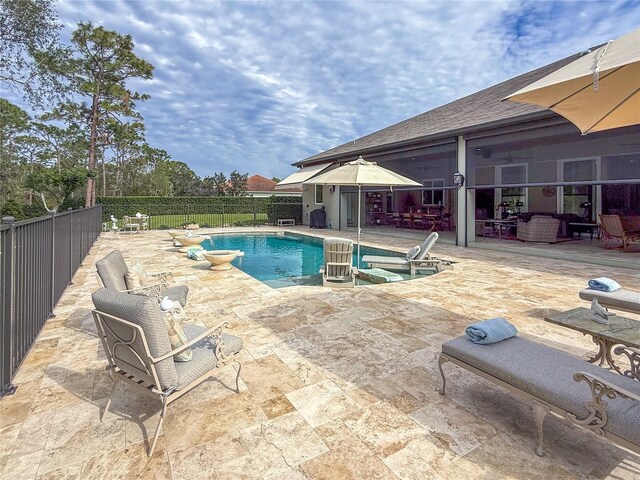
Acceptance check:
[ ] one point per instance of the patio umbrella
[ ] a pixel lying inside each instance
(598, 91)
(361, 173)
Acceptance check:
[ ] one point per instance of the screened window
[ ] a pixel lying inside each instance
(319, 190)
(433, 197)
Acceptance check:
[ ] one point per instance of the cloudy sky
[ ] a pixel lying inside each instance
(255, 86)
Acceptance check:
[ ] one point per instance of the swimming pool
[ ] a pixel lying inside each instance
(281, 259)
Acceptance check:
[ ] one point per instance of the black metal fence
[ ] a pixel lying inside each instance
(38, 259)
(176, 215)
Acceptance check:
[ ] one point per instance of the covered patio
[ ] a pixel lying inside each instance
(335, 384)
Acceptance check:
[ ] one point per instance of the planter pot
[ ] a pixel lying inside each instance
(220, 259)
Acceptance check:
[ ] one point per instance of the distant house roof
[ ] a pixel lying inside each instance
(480, 109)
(258, 183)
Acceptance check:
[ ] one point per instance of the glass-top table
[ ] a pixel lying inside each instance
(619, 331)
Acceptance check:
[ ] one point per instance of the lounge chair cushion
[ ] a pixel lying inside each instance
(413, 252)
(177, 293)
(427, 245)
(142, 311)
(547, 373)
(619, 298)
(136, 277)
(112, 269)
(204, 358)
(388, 260)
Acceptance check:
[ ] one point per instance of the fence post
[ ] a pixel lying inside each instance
(222, 223)
(71, 244)
(8, 325)
(254, 212)
(53, 265)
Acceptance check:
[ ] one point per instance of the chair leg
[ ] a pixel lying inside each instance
(238, 376)
(540, 411)
(442, 360)
(155, 437)
(106, 407)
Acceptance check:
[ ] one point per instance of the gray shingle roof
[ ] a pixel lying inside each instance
(475, 110)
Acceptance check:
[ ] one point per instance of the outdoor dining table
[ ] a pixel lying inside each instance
(619, 331)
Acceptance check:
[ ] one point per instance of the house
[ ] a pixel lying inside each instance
(515, 158)
(259, 186)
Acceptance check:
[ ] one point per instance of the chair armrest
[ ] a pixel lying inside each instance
(597, 417)
(156, 289)
(214, 332)
(162, 276)
(429, 259)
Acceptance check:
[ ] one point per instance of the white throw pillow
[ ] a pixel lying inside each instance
(413, 252)
(136, 278)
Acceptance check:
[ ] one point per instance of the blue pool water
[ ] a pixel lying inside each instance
(280, 260)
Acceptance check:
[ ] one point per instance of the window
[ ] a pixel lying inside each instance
(578, 199)
(433, 197)
(511, 200)
(319, 189)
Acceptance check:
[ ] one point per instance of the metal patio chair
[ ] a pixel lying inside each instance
(112, 269)
(135, 338)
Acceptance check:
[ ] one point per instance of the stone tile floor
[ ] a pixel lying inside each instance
(336, 383)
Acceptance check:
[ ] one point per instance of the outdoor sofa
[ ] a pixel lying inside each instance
(553, 381)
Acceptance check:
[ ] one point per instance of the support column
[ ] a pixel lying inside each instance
(465, 200)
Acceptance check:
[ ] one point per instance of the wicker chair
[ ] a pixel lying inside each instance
(136, 342)
(540, 228)
(614, 231)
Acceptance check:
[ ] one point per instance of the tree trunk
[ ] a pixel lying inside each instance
(90, 200)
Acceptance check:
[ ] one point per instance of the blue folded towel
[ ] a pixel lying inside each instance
(604, 284)
(490, 331)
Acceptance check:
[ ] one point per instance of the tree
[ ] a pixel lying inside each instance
(55, 185)
(184, 181)
(276, 179)
(237, 186)
(14, 129)
(29, 49)
(216, 185)
(103, 63)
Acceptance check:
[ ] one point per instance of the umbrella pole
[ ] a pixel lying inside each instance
(358, 258)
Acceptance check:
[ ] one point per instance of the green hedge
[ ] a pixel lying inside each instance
(169, 212)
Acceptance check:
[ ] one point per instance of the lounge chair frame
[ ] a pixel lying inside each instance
(595, 421)
(148, 384)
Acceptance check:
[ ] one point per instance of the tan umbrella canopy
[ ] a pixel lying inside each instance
(598, 91)
(361, 173)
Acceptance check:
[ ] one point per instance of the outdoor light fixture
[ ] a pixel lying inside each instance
(458, 179)
(332, 189)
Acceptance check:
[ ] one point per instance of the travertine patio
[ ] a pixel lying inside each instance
(336, 383)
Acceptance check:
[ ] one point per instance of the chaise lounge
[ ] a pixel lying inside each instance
(422, 259)
(554, 381)
(623, 300)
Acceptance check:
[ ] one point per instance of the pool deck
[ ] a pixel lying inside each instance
(335, 383)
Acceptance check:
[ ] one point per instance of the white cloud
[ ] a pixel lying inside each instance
(257, 86)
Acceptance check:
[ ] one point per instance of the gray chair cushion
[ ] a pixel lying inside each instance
(176, 293)
(145, 312)
(111, 270)
(620, 298)
(547, 373)
(204, 359)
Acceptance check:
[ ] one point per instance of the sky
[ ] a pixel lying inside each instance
(256, 86)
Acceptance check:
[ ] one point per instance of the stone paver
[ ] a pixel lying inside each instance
(335, 383)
